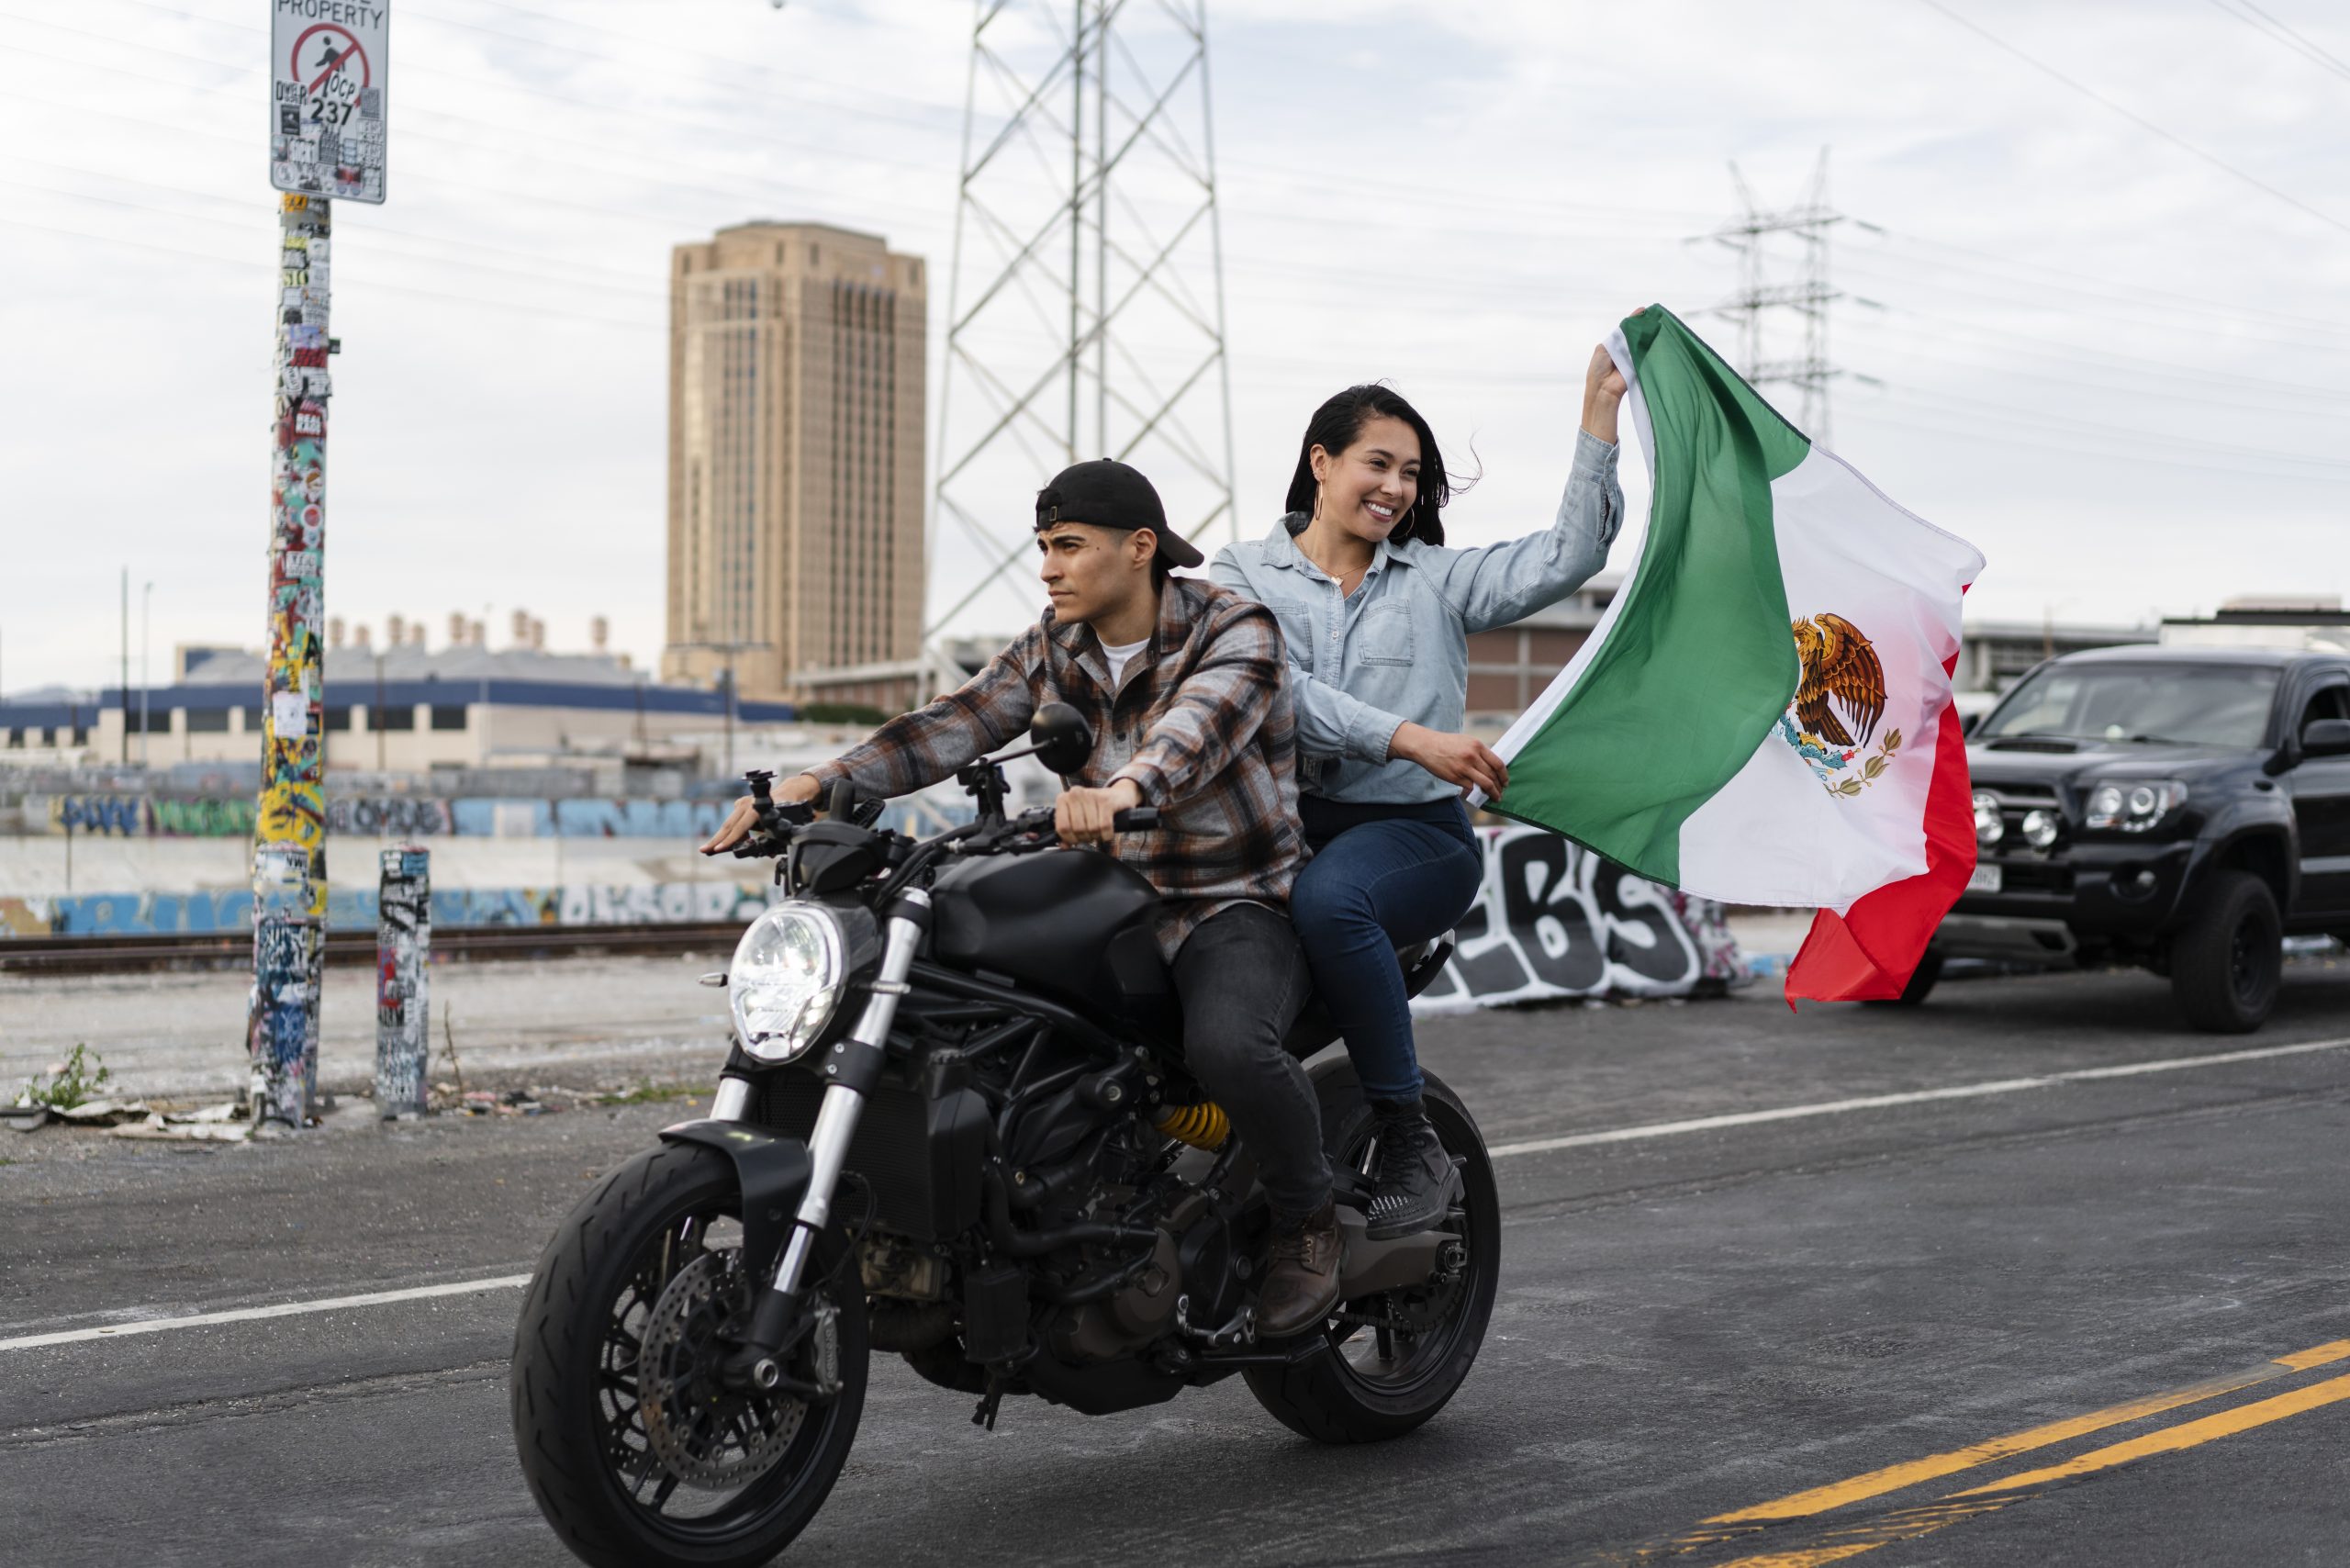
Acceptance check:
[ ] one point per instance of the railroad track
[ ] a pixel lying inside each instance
(99, 955)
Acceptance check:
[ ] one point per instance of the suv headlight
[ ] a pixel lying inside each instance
(2134, 805)
(1989, 826)
(786, 979)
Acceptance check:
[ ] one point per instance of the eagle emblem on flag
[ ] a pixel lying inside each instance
(1840, 670)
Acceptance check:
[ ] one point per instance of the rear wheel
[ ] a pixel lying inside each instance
(2227, 962)
(1388, 1363)
(636, 1453)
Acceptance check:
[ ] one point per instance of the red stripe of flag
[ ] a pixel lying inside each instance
(1869, 954)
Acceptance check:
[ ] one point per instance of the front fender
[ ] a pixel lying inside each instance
(2232, 837)
(772, 1171)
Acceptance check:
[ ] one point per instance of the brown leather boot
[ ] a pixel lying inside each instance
(1301, 1286)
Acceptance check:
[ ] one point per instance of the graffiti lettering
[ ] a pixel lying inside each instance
(1554, 920)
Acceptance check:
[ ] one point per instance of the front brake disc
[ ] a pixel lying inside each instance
(702, 1432)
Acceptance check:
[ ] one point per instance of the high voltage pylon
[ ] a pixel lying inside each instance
(1764, 287)
(1085, 309)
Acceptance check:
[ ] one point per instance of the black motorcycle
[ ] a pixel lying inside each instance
(956, 1126)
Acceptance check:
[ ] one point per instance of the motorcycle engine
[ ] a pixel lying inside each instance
(1136, 1315)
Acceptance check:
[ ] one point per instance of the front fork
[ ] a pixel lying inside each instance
(777, 1321)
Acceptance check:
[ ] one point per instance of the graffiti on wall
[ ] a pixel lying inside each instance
(425, 816)
(380, 816)
(218, 913)
(391, 816)
(1554, 920)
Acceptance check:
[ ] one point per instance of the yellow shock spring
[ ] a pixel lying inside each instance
(1202, 1126)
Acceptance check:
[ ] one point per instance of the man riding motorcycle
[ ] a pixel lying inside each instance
(1184, 687)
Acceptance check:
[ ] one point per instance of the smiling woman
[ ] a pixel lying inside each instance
(1376, 615)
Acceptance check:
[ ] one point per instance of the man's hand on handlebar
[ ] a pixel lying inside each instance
(799, 791)
(1088, 816)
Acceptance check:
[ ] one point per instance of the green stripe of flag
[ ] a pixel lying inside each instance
(1699, 661)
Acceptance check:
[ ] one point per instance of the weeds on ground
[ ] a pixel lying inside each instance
(68, 1083)
(654, 1093)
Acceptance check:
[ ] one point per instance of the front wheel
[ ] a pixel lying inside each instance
(1920, 984)
(2226, 963)
(1389, 1362)
(634, 1451)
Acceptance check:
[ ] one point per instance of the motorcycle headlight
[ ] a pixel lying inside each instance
(786, 979)
(1989, 827)
(2134, 805)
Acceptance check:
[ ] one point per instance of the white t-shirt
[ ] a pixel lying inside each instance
(1119, 653)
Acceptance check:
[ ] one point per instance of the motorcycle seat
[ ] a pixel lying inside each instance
(1421, 962)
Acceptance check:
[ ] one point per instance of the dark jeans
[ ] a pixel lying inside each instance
(1242, 979)
(1381, 877)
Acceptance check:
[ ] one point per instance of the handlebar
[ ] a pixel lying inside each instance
(1037, 824)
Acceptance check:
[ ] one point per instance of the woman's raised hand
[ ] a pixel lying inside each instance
(1603, 389)
(1456, 759)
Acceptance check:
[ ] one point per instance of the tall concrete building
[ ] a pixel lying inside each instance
(796, 406)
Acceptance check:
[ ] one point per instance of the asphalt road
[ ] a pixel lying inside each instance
(2135, 1278)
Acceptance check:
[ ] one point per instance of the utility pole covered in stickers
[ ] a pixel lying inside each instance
(329, 69)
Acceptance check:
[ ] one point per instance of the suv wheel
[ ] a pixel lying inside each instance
(2225, 963)
(1921, 983)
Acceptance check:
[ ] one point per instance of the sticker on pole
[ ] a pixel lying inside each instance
(330, 64)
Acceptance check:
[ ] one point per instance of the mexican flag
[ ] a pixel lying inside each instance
(1764, 715)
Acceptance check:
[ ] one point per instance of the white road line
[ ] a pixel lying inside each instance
(1500, 1151)
(1911, 1097)
(251, 1313)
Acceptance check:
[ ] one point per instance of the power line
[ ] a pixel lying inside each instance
(2103, 287)
(2037, 301)
(2159, 440)
(2138, 119)
(1943, 430)
(2284, 37)
(1511, 203)
(501, 305)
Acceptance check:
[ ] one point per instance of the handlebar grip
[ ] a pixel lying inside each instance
(1135, 819)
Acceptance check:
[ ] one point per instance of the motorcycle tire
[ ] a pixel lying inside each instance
(1334, 1394)
(566, 1428)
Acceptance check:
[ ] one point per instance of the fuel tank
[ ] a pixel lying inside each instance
(1074, 924)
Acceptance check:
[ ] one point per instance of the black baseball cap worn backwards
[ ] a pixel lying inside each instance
(1108, 494)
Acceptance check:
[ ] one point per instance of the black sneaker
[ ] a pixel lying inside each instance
(1416, 1182)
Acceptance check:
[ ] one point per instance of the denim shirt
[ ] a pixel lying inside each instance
(1397, 649)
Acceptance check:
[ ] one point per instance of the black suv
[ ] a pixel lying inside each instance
(2180, 808)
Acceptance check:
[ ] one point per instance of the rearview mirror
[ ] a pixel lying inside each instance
(1968, 723)
(2326, 737)
(1063, 743)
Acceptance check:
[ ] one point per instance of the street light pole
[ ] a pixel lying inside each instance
(146, 604)
(125, 667)
(726, 707)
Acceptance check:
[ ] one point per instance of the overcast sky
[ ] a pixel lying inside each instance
(2104, 291)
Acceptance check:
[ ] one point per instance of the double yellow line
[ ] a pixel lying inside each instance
(1866, 1535)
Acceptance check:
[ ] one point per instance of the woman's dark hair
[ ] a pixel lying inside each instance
(1336, 426)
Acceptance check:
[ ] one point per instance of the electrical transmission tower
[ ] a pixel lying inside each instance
(1764, 288)
(1085, 312)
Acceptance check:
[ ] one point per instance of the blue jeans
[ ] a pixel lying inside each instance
(1382, 875)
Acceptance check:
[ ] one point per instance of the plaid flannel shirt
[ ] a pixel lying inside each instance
(1200, 722)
